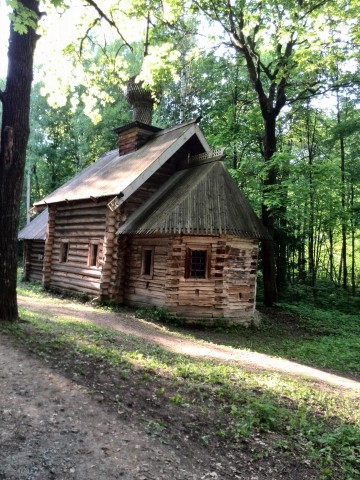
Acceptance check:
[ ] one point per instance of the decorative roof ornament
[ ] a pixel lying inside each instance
(141, 100)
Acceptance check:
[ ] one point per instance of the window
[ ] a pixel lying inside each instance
(94, 253)
(64, 252)
(147, 262)
(197, 262)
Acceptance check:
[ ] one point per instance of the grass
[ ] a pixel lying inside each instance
(308, 334)
(218, 402)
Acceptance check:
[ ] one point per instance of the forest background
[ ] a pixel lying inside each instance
(276, 83)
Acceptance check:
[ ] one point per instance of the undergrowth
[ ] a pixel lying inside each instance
(331, 340)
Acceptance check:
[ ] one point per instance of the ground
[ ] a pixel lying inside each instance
(57, 424)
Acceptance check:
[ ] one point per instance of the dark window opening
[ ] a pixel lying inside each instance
(198, 263)
(64, 252)
(93, 255)
(147, 262)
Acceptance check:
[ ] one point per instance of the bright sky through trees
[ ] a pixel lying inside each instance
(4, 35)
(57, 31)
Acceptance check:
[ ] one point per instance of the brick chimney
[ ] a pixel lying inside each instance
(133, 135)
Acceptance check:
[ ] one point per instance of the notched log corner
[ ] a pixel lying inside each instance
(8, 145)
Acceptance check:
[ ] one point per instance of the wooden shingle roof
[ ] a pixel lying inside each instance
(113, 175)
(36, 230)
(198, 200)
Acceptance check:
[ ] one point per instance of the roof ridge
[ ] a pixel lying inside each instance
(175, 127)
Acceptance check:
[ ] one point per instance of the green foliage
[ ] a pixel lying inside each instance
(321, 321)
(333, 341)
(22, 18)
(155, 314)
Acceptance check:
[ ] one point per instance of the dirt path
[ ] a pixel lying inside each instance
(51, 429)
(158, 335)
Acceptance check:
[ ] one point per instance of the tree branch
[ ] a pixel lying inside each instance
(109, 20)
(313, 8)
(86, 35)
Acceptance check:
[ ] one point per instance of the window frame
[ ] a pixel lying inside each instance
(64, 251)
(188, 257)
(93, 261)
(144, 251)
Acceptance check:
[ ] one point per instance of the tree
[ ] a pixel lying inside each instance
(285, 61)
(15, 99)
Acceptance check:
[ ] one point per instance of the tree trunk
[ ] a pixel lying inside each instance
(267, 248)
(343, 200)
(14, 137)
(343, 224)
(331, 255)
(353, 232)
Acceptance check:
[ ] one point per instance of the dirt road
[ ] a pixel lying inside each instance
(51, 428)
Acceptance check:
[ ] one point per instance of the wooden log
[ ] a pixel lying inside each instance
(74, 282)
(91, 272)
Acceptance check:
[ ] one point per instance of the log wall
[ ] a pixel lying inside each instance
(140, 290)
(109, 248)
(77, 223)
(228, 291)
(49, 242)
(239, 277)
(33, 260)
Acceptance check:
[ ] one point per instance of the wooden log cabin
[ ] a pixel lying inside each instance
(158, 221)
(193, 246)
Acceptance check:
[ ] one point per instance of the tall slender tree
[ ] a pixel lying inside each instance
(15, 99)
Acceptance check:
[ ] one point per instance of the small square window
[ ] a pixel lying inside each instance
(197, 262)
(147, 263)
(64, 252)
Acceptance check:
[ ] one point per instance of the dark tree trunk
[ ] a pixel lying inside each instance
(343, 224)
(267, 248)
(331, 255)
(282, 250)
(14, 137)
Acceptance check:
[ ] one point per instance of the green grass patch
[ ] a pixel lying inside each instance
(328, 339)
(332, 338)
(30, 289)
